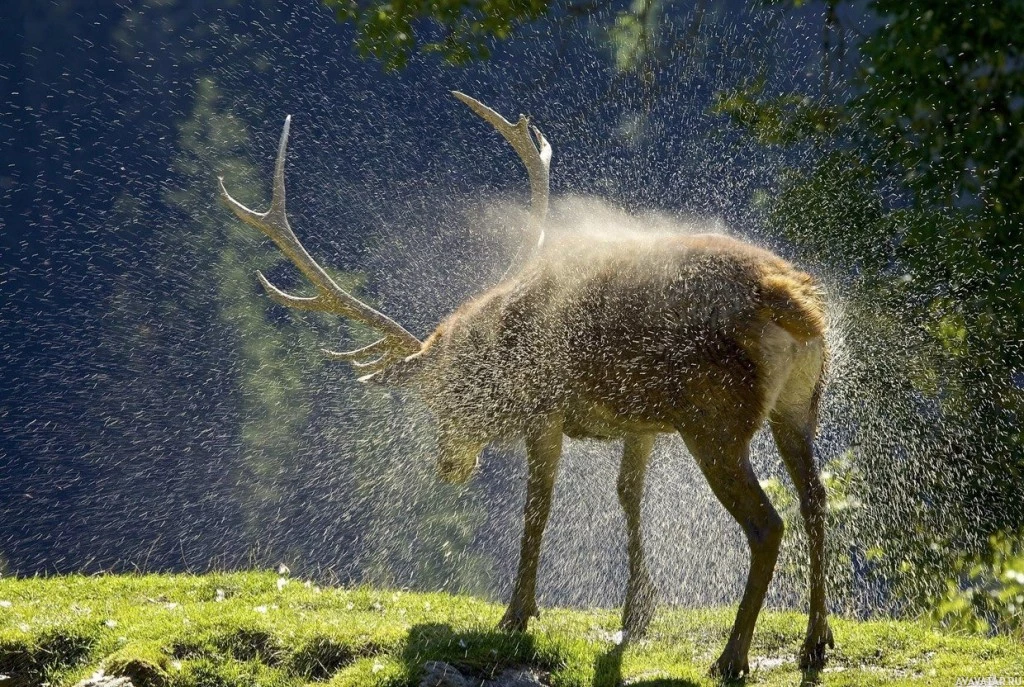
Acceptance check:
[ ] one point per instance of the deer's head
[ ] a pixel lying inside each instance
(441, 369)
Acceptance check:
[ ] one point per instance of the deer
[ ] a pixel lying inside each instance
(702, 335)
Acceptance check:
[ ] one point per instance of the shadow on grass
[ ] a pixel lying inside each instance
(608, 673)
(476, 654)
(483, 655)
(810, 677)
(25, 661)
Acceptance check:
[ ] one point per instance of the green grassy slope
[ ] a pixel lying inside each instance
(245, 629)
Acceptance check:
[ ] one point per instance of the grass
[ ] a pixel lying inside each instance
(244, 629)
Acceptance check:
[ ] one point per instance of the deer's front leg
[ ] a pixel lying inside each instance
(543, 448)
(638, 609)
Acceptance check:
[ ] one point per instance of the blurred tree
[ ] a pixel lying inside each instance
(273, 354)
(264, 368)
(259, 365)
(943, 84)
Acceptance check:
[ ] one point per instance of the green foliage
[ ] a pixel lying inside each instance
(985, 592)
(464, 31)
(392, 31)
(780, 120)
(942, 89)
(938, 119)
(941, 97)
(244, 629)
(632, 34)
(834, 210)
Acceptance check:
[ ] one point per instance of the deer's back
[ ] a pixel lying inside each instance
(637, 334)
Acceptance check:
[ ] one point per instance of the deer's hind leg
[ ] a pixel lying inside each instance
(723, 457)
(543, 449)
(794, 422)
(638, 609)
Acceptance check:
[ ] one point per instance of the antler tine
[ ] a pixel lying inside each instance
(378, 346)
(533, 149)
(330, 298)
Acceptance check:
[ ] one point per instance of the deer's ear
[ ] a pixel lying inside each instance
(404, 372)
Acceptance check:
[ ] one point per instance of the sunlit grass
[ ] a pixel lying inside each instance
(244, 629)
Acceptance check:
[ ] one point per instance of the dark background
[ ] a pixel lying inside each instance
(135, 412)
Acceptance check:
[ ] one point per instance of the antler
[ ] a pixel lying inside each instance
(535, 154)
(396, 343)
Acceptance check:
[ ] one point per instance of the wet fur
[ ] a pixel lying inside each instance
(641, 334)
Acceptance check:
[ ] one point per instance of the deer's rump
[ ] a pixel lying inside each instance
(650, 334)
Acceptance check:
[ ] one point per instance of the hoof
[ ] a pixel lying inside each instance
(812, 653)
(636, 630)
(730, 667)
(516, 619)
(639, 607)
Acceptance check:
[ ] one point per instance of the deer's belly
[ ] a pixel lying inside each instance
(597, 421)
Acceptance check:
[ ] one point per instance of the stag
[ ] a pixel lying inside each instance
(703, 335)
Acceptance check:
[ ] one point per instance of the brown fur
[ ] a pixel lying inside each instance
(640, 333)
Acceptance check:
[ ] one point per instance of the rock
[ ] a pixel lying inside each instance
(441, 674)
(517, 677)
(139, 671)
(99, 679)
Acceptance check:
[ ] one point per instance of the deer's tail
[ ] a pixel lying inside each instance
(793, 301)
